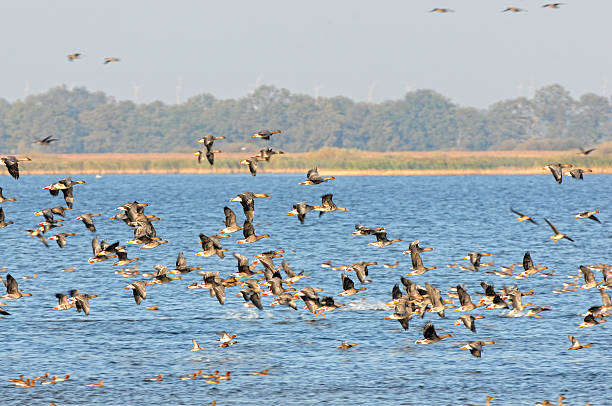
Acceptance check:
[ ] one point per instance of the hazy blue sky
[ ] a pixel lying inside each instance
(366, 50)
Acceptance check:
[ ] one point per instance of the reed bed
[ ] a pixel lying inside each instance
(338, 161)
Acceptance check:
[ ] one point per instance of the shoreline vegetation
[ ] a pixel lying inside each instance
(332, 161)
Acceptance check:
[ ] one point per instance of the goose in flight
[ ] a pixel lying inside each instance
(522, 217)
(313, 178)
(265, 134)
(558, 5)
(12, 289)
(327, 205)
(231, 226)
(247, 201)
(249, 234)
(468, 321)
(348, 286)
(576, 344)
(139, 290)
(588, 215)
(577, 173)
(252, 163)
(381, 239)
(430, 335)
(583, 151)
(475, 347)
(12, 164)
(557, 170)
(45, 141)
(558, 235)
(301, 209)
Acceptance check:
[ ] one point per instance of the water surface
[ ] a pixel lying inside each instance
(123, 343)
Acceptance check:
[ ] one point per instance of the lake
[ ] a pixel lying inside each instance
(123, 343)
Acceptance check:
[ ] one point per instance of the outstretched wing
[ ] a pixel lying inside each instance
(552, 226)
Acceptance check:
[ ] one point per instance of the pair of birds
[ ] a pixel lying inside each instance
(208, 142)
(557, 234)
(327, 206)
(78, 55)
(558, 170)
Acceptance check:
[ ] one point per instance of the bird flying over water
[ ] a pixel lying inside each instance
(588, 215)
(313, 178)
(557, 170)
(252, 163)
(558, 235)
(522, 217)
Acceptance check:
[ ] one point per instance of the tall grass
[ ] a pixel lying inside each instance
(329, 159)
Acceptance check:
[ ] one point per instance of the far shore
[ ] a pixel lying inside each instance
(334, 162)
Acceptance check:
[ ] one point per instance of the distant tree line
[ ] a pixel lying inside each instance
(92, 122)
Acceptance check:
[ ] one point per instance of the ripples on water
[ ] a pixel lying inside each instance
(123, 343)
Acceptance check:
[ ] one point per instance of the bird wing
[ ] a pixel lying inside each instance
(552, 226)
(326, 200)
(95, 245)
(527, 262)
(574, 340)
(464, 297)
(429, 331)
(181, 262)
(417, 262)
(518, 213)
(588, 274)
(605, 298)
(248, 229)
(11, 284)
(230, 217)
(313, 175)
(12, 166)
(347, 283)
(219, 290)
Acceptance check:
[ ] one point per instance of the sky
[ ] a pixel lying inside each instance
(372, 50)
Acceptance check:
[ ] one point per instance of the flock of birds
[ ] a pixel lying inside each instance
(407, 299)
(507, 9)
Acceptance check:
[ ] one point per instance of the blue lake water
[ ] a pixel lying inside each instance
(123, 343)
